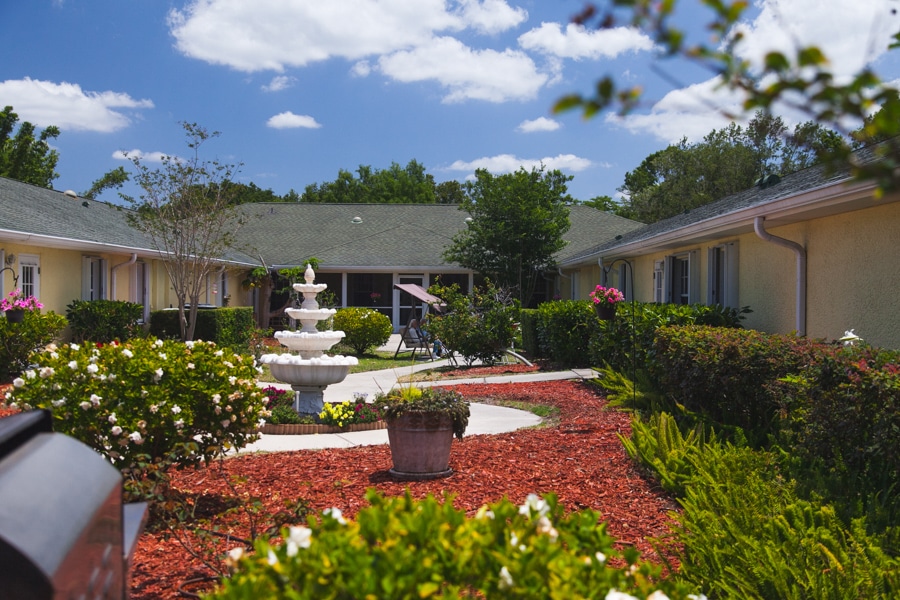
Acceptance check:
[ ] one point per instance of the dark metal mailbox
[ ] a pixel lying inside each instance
(64, 533)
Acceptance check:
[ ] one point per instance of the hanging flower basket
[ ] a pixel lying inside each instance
(606, 312)
(15, 315)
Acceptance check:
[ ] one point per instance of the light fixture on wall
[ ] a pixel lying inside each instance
(10, 259)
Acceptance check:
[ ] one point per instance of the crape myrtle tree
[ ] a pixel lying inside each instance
(189, 217)
(799, 79)
(517, 225)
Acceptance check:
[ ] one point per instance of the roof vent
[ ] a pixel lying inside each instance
(70, 193)
(356, 220)
(767, 180)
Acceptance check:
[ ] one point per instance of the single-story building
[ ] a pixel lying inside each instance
(813, 252)
(60, 248)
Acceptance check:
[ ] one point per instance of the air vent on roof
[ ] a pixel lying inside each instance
(70, 193)
(767, 180)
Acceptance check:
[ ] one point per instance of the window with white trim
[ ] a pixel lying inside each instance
(30, 275)
(659, 281)
(680, 279)
(93, 278)
(723, 275)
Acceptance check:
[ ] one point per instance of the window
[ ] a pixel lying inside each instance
(659, 281)
(723, 278)
(679, 282)
(139, 291)
(30, 275)
(93, 278)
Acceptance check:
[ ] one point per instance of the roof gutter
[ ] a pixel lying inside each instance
(112, 275)
(800, 253)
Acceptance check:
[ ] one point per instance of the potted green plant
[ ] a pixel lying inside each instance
(421, 423)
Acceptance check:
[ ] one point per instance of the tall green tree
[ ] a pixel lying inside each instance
(800, 79)
(26, 155)
(394, 185)
(187, 211)
(111, 180)
(684, 176)
(517, 225)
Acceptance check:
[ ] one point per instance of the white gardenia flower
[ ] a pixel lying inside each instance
(92, 368)
(163, 356)
(58, 403)
(298, 537)
(617, 595)
(112, 418)
(271, 558)
(506, 580)
(534, 504)
(95, 399)
(546, 527)
(232, 380)
(73, 364)
(226, 423)
(158, 374)
(85, 405)
(75, 347)
(176, 409)
(30, 374)
(190, 366)
(336, 514)
(218, 410)
(216, 398)
(116, 430)
(46, 372)
(219, 353)
(136, 437)
(234, 555)
(127, 353)
(601, 558)
(190, 344)
(179, 424)
(158, 343)
(154, 408)
(657, 595)
(18, 382)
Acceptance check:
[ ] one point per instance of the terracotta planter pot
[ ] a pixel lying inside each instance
(420, 445)
(605, 312)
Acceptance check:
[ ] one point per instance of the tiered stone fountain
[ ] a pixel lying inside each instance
(309, 371)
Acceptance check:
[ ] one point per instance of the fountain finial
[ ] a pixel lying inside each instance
(309, 276)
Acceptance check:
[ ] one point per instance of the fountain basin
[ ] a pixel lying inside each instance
(307, 314)
(310, 288)
(309, 345)
(308, 372)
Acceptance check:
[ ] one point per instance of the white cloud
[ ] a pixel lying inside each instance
(361, 68)
(851, 34)
(577, 42)
(539, 124)
(491, 16)
(279, 82)
(508, 163)
(154, 157)
(467, 74)
(67, 106)
(275, 34)
(288, 120)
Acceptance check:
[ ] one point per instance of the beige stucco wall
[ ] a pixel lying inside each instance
(853, 276)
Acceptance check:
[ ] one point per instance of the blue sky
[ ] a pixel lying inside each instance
(302, 88)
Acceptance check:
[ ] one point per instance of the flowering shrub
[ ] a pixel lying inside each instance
(16, 300)
(405, 548)
(19, 340)
(146, 397)
(342, 414)
(606, 296)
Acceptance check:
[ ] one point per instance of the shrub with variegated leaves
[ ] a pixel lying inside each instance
(146, 397)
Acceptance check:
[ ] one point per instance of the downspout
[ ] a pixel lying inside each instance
(800, 253)
(112, 275)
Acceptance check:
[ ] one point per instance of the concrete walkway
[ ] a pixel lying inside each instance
(484, 418)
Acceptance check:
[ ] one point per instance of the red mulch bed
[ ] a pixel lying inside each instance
(581, 460)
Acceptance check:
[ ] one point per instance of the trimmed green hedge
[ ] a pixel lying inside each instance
(565, 329)
(528, 325)
(104, 320)
(728, 375)
(224, 326)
